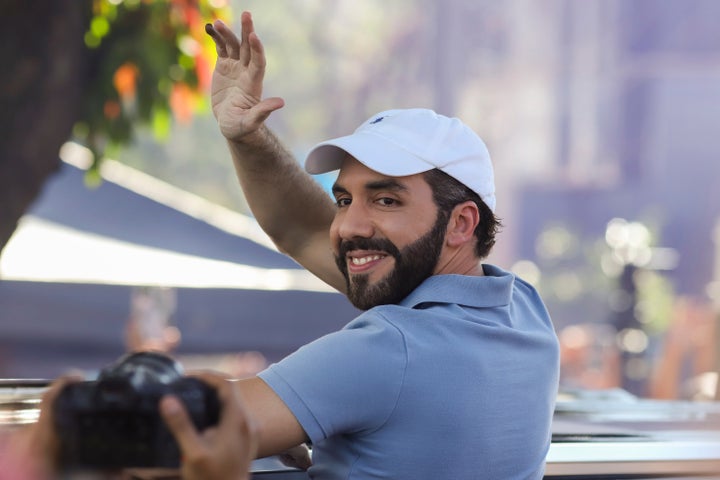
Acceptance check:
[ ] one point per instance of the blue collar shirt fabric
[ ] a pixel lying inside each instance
(458, 381)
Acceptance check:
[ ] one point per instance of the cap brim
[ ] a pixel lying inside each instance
(371, 150)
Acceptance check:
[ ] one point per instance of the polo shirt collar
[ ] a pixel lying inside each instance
(492, 290)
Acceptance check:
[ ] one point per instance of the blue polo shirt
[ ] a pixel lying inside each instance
(458, 381)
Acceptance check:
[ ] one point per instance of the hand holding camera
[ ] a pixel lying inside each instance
(141, 412)
(219, 453)
(114, 421)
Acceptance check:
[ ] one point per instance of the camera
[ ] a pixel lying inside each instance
(113, 422)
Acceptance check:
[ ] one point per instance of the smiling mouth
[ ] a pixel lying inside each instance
(363, 263)
(359, 261)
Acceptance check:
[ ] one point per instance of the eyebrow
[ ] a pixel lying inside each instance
(376, 185)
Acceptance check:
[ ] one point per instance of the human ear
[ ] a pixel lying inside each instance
(464, 218)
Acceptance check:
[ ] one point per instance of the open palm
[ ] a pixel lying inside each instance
(238, 80)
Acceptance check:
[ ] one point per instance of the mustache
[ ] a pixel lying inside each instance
(379, 244)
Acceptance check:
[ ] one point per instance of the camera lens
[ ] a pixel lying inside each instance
(143, 368)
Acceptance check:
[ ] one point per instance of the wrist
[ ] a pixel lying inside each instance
(257, 139)
(260, 151)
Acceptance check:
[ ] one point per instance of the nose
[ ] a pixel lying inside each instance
(354, 221)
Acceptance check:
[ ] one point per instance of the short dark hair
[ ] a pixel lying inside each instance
(449, 192)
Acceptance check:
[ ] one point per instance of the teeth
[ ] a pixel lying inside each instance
(364, 260)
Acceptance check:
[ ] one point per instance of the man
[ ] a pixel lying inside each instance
(452, 370)
(451, 373)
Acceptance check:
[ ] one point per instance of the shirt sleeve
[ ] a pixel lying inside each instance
(345, 382)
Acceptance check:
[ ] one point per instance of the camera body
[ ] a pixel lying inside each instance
(114, 421)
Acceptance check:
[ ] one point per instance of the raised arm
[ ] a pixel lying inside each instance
(287, 203)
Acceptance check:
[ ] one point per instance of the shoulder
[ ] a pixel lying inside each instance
(346, 381)
(369, 345)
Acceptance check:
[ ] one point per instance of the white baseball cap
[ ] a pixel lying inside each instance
(406, 142)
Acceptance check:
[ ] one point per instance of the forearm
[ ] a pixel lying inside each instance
(288, 204)
(283, 198)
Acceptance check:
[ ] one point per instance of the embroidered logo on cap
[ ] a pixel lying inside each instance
(377, 120)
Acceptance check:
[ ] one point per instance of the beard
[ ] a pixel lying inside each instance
(413, 264)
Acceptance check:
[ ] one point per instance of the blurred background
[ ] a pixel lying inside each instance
(602, 118)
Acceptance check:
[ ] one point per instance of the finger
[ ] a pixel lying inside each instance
(298, 457)
(246, 23)
(178, 422)
(49, 397)
(218, 39)
(45, 437)
(257, 60)
(260, 112)
(229, 39)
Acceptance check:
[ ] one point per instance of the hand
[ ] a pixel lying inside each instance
(223, 452)
(297, 457)
(238, 80)
(33, 452)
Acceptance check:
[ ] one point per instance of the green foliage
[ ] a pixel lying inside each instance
(151, 62)
(655, 301)
(580, 275)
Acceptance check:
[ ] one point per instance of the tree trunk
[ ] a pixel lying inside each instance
(41, 82)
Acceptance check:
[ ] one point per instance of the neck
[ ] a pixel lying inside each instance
(475, 270)
(460, 262)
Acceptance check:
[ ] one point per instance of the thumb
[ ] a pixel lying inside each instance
(179, 423)
(264, 108)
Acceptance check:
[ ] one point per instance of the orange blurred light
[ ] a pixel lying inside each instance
(125, 80)
(111, 109)
(203, 70)
(181, 102)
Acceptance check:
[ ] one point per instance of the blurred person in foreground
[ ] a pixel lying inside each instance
(452, 370)
(222, 452)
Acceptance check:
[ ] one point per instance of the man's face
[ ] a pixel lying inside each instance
(386, 235)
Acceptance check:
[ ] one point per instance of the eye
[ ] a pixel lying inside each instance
(387, 201)
(342, 202)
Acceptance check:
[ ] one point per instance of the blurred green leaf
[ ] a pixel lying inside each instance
(161, 124)
(147, 58)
